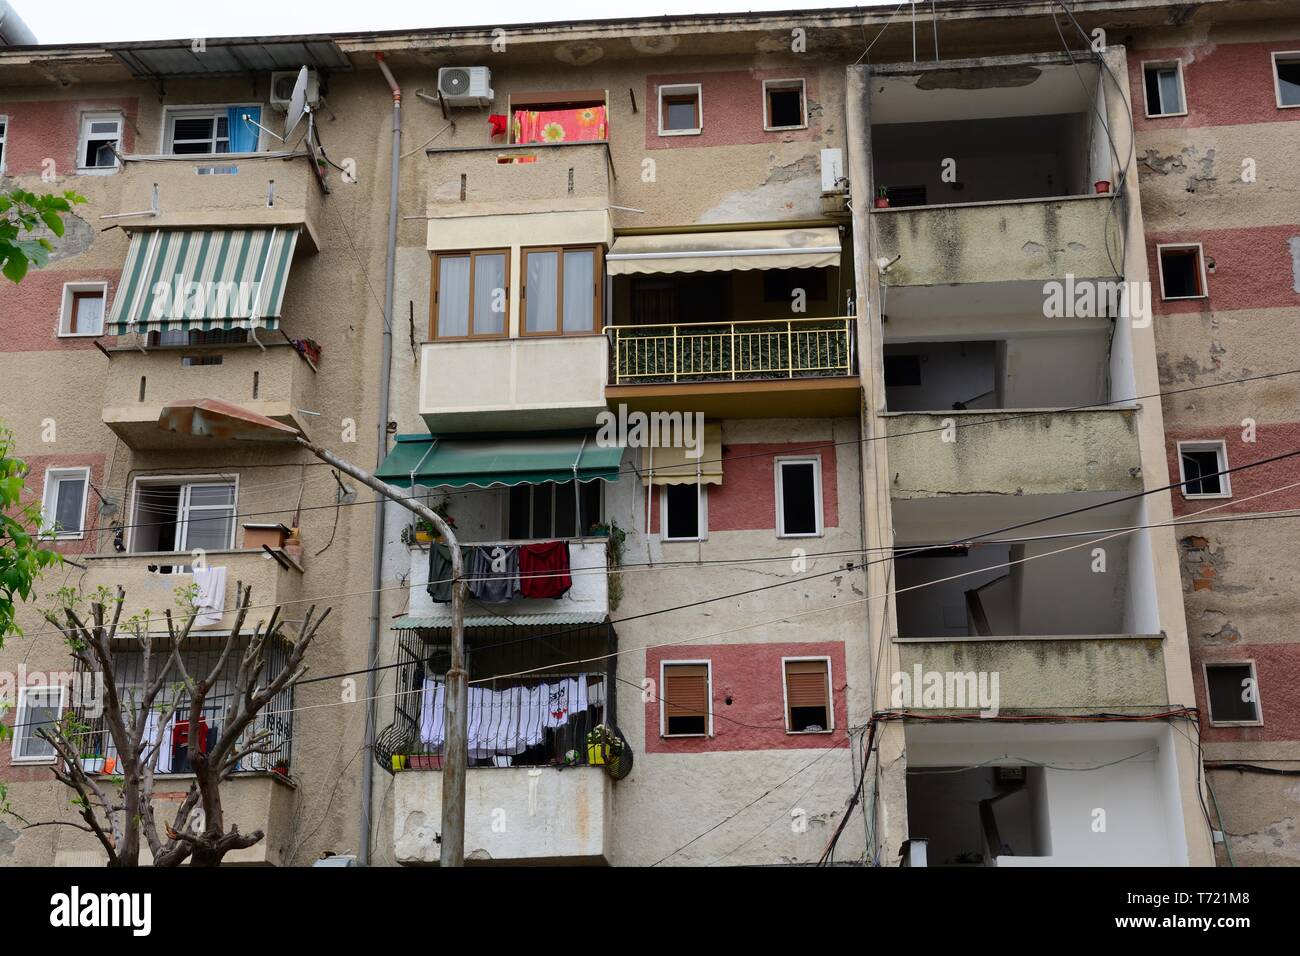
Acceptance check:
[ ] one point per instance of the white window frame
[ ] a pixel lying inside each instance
(674, 89)
(198, 111)
(816, 462)
(1277, 80)
(702, 527)
(830, 695)
(1182, 86)
(1259, 700)
(182, 506)
(65, 309)
(83, 140)
(4, 139)
(15, 757)
(792, 83)
(50, 501)
(1200, 261)
(1220, 447)
(663, 703)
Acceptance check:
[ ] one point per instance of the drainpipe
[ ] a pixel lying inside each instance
(385, 374)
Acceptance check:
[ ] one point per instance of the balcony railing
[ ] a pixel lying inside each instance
(731, 351)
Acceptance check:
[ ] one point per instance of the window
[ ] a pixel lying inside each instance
(63, 505)
(82, 312)
(38, 708)
(4, 130)
(798, 497)
(471, 293)
(808, 695)
(779, 285)
(783, 105)
(902, 371)
(1199, 464)
(681, 110)
(171, 515)
(684, 515)
(1182, 272)
(1164, 89)
(100, 135)
(1233, 694)
(546, 511)
(686, 700)
(1286, 79)
(561, 290)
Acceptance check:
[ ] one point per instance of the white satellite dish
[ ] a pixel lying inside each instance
(297, 103)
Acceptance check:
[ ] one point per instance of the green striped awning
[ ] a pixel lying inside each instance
(204, 279)
(498, 461)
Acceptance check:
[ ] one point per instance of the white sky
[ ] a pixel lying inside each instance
(92, 21)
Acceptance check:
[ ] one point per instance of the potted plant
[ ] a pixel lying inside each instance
(92, 763)
(603, 746)
(399, 762)
(1102, 186)
(882, 197)
(281, 767)
(425, 532)
(424, 762)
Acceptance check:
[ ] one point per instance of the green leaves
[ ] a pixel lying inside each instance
(23, 212)
(22, 559)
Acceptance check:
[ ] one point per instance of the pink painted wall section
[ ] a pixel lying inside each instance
(746, 499)
(733, 109)
(1270, 440)
(51, 129)
(1277, 668)
(30, 310)
(1254, 269)
(752, 676)
(35, 490)
(1226, 85)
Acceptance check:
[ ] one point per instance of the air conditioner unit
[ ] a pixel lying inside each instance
(282, 88)
(465, 85)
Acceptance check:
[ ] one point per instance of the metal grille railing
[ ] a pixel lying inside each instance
(721, 351)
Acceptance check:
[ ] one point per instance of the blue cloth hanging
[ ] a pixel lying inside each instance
(243, 135)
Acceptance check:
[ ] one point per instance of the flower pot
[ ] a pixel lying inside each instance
(882, 202)
(281, 770)
(399, 762)
(595, 755)
(424, 762)
(92, 764)
(1102, 186)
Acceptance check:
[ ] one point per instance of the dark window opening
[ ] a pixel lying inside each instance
(799, 498)
(681, 112)
(1180, 273)
(900, 196)
(1232, 693)
(902, 371)
(548, 511)
(1200, 472)
(1164, 92)
(1288, 82)
(779, 285)
(682, 510)
(807, 718)
(785, 107)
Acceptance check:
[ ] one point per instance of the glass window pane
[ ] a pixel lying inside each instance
(565, 511)
(192, 128)
(490, 294)
(1288, 82)
(68, 494)
(543, 501)
(104, 126)
(207, 495)
(543, 294)
(453, 296)
(41, 711)
(680, 114)
(1171, 100)
(209, 530)
(88, 314)
(579, 290)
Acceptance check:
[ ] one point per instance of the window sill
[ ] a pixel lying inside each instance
(1166, 115)
(681, 132)
(33, 761)
(683, 736)
(683, 540)
(809, 733)
(1182, 298)
(1236, 723)
(71, 536)
(79, 335)
(97, 170)
(811, 534)
(784, 129)
(1206, 497)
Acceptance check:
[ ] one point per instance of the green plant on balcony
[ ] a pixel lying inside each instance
(617, 542)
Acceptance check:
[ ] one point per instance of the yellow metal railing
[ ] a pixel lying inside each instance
(735, 351)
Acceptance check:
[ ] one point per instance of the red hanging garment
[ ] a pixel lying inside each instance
(544, 569)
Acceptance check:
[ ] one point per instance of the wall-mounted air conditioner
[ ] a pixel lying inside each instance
(282, 88)
(465, 85)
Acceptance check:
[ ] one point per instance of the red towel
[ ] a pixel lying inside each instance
(544, 569)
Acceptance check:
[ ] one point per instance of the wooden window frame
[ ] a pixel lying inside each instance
(1209, 706)
(1176, 65)
(1200, 263)
(598, 279)
(21, 707)
(1220, 448)
(830, 694)
(663, 701)
(779, 483)
(671, 92)
(1276, 57)
(4, 139)
(786, 85)
(473, 255)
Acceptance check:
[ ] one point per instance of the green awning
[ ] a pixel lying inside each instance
(498, 462)
(203, 279)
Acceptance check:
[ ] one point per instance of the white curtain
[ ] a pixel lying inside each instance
(489, 294)
(579, 290)
(453, 296)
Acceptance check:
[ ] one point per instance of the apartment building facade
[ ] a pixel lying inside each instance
(898, 580)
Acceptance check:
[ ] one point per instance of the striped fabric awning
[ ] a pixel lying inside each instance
(204, 279)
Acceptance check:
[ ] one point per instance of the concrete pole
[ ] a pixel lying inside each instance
(455, 762)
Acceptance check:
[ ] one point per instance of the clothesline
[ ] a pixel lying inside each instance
(507, 722)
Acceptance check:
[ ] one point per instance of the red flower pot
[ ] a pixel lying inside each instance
(1102, 185)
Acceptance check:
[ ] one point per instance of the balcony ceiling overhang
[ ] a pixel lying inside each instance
(177, 59)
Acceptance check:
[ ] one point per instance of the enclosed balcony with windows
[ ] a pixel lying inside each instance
(743, 323)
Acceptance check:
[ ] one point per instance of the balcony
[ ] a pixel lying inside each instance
(520, 178)
(276, 382)
(790, 367)
(150, 581)
(223, 191)
(1021, 453)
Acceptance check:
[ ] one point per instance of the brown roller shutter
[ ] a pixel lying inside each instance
(806, 685)
(685, 693)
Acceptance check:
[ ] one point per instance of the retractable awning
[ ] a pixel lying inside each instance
(498, 462)
(204, 279)
(675, 465)
(724, 251)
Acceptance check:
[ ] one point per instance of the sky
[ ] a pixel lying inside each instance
(95, 21)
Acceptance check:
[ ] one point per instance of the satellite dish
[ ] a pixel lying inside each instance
(297, 103)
